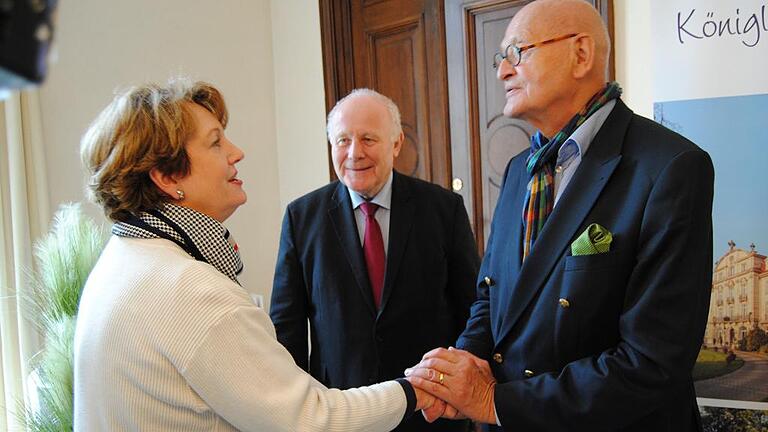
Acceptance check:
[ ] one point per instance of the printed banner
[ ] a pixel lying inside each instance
(709, 48)
(711, 85)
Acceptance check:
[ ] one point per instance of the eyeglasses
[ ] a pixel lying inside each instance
(513, 53)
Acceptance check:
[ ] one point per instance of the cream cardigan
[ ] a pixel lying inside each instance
(167, 343)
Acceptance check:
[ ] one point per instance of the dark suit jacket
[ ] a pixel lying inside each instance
(431, 269)
(617, 352)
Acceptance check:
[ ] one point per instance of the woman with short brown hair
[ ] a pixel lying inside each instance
(166, 338)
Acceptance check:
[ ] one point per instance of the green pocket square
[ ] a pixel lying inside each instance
(594, 240)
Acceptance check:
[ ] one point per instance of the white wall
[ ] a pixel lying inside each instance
(108, 45)
(632, 42)
(299, 98)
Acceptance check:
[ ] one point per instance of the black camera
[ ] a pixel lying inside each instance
(26, 33)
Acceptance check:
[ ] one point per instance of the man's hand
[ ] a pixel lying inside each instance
(459, 378)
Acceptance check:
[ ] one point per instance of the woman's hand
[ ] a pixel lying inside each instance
(431, 407)
(438, 407)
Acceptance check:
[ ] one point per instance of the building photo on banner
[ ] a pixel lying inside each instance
(710, 85)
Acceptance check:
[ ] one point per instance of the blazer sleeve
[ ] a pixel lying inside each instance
(289, 304)
(477, 337)
(463, 265)
(660, 327)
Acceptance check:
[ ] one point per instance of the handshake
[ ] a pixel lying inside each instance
(454, 384)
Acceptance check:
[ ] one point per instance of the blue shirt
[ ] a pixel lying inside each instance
(576, 146)
(384, 200)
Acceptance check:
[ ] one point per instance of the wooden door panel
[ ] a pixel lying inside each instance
(500, 137)
(483, 140)
(403, 44)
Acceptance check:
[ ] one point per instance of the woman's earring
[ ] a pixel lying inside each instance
(180, 193)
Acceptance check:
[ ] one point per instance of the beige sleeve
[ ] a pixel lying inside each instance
(250, 380)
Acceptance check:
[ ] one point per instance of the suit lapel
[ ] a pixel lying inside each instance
(582, 192)
(402, 209)
(342, 219)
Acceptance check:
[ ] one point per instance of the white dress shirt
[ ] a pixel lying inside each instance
(384, 200)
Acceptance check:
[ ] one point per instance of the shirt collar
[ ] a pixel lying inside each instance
(583, 135)
(382, 199)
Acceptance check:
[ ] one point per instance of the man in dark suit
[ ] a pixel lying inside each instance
(594, 290)
(382, 265)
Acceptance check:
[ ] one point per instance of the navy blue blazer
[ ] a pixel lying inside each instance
(429, 286)
(607, 341)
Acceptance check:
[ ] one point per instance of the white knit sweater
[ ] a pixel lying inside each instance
(167, 343)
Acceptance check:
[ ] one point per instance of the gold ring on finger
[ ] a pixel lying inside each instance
(441, 378)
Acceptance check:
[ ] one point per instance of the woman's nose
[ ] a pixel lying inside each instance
(236, 154)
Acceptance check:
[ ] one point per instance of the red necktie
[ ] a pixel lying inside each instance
(373, 247)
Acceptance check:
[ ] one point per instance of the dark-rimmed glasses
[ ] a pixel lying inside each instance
(513, 53)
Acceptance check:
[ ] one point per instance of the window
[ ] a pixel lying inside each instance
(19, 144)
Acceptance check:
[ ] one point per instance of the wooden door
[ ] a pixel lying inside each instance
(396, 47)
(482, 138)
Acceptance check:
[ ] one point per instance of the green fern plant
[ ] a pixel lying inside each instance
(64, 259)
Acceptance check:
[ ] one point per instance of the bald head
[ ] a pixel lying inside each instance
(544, 19)
(560, 64)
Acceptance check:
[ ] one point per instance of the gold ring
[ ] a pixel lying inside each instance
(441, 378)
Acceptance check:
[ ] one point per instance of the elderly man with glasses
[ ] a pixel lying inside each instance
(594, 290)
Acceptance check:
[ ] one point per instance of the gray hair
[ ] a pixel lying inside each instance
(394, 112)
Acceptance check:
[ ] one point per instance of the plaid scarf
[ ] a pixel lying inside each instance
(202, 237)
(540, 194)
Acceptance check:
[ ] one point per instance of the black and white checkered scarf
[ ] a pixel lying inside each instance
(201, 236)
